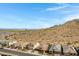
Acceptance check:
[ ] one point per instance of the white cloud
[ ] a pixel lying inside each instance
(64, 8)
(55, 8)
(61, 6)
(71, 17)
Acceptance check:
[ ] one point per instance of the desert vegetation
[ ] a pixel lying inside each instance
(65, 34)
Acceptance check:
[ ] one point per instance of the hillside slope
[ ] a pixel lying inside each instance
(67, 33)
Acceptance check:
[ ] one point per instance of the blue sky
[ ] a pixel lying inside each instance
(36, 15)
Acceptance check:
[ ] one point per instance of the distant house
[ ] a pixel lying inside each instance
(29, 46)
(12, 43)
(43, 48)
(55, 49)
(36, 45)
(77, 49)
(4, 42)
(69, 50)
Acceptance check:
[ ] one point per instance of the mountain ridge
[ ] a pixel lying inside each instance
(67, 33)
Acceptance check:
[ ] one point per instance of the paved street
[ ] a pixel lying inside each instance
(16, 53)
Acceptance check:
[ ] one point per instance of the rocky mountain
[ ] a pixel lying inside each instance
(67, 33)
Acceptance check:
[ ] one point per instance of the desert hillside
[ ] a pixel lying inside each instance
(67, 33)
